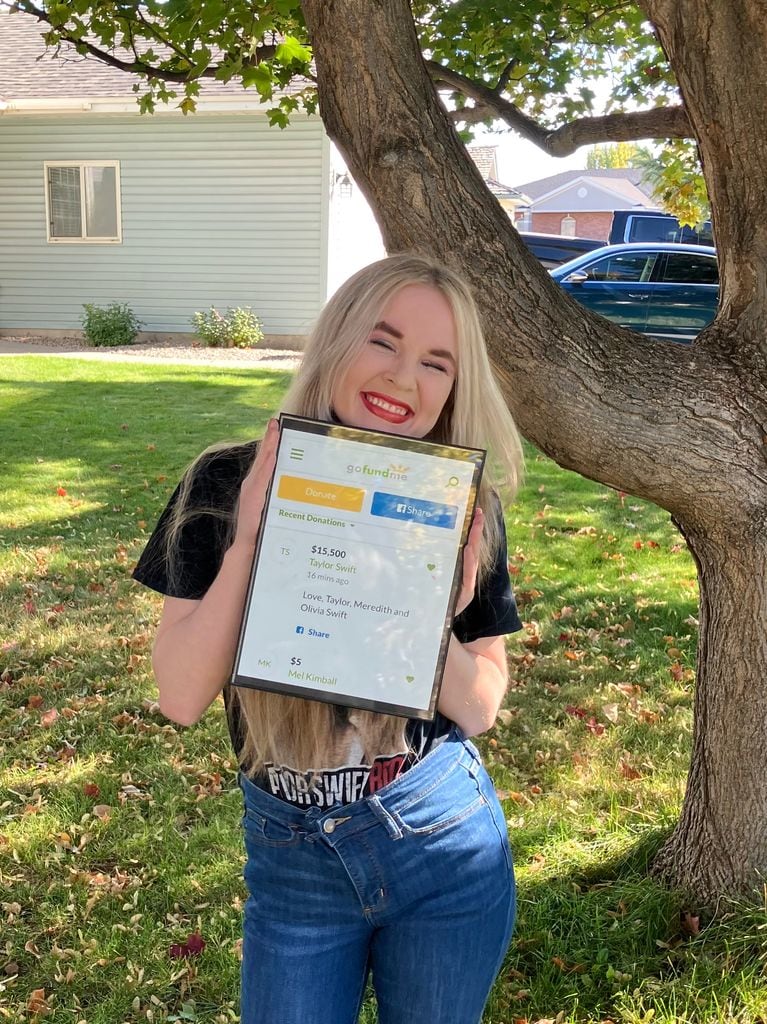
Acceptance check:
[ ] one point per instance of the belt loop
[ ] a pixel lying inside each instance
(475, 764)
(389, 823)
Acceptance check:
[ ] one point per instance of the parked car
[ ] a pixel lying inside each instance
(668, 290)
(553, 250)
(655, 226)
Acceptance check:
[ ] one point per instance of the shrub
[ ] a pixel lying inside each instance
(239, 327)
(115, 325)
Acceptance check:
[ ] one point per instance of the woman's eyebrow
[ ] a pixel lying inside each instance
(442, 353)
(383, 326)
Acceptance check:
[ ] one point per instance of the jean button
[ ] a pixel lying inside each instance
(329, 826)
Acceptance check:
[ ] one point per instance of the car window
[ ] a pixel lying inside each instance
(653, 229)
(691, 268)
(624, 266)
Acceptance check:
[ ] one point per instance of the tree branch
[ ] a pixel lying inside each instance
(138, 66)
(656, 123)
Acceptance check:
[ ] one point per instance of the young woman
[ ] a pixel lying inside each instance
(374, 843)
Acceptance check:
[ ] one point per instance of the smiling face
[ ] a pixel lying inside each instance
(403, 375)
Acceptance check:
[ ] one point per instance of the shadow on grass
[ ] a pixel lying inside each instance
(121, 442)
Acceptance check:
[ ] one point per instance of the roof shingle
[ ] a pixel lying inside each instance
(30, 71)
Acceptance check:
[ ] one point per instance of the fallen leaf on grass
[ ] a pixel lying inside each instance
(648, 717)
(576, 712)
(102, 811)
(568, 968)
(193, 946)
(512, 794)
(630, 689)
(48, 718)
(629, 772)
(689, 923)
(37, 1002)
(610, 711)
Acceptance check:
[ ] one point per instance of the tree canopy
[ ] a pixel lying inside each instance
(530, 65)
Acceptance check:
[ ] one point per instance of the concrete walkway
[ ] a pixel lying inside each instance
(235, 358)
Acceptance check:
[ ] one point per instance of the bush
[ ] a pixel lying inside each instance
(239, 327)
(115, 325)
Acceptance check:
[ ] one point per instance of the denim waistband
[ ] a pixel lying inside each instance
(382, 807)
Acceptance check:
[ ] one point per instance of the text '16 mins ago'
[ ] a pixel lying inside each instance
(355, 569)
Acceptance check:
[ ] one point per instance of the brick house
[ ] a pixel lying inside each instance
(582, 202)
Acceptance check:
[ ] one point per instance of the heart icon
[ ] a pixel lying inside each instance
(409, 679)
(431, 566)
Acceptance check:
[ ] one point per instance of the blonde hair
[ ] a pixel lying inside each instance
(286, 729)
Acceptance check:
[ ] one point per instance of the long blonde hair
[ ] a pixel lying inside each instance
(281, 729)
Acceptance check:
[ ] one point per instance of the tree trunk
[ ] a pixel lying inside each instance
(683, 426)
(720, 843)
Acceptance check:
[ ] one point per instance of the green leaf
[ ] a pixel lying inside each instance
(291, 50)
(259, 76)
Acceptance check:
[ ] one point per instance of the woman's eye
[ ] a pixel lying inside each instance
(383, 344)
(436, 366)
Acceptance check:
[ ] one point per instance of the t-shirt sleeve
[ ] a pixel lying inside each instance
(493, 610)
(203, 539)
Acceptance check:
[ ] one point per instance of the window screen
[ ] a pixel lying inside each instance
(64, 202)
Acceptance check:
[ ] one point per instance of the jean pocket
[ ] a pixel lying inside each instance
(427, 816)
(267, 831)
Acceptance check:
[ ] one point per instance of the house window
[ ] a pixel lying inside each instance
(82, 201)
(567, 226)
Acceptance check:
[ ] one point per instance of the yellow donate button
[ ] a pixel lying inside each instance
(317, 492)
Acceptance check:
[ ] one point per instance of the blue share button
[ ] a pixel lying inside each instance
(413, 510)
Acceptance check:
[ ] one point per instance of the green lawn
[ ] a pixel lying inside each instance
(120, 830)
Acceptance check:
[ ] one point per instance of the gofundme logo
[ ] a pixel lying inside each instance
(392, 472)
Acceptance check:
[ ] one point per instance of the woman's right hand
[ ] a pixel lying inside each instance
(254, 488)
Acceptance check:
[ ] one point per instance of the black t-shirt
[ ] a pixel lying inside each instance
(359, 767)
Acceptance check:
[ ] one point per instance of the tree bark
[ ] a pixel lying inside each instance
(718, 51)
(720, 843)
(683, 426)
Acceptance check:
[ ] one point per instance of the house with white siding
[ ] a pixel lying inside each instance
(169, 213)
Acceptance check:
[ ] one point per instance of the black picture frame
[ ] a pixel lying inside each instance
(398, 443)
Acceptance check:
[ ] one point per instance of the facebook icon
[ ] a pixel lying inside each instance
(299, 629)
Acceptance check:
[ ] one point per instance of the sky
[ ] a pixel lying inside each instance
(520, 161)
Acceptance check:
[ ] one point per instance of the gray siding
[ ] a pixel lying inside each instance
(217, 209)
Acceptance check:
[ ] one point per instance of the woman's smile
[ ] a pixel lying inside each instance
(386, 407)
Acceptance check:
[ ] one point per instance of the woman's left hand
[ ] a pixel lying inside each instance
(470, 561)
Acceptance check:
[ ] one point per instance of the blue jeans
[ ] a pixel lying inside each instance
(414, 884)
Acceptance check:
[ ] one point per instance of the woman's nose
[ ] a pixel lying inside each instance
(402, 374)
